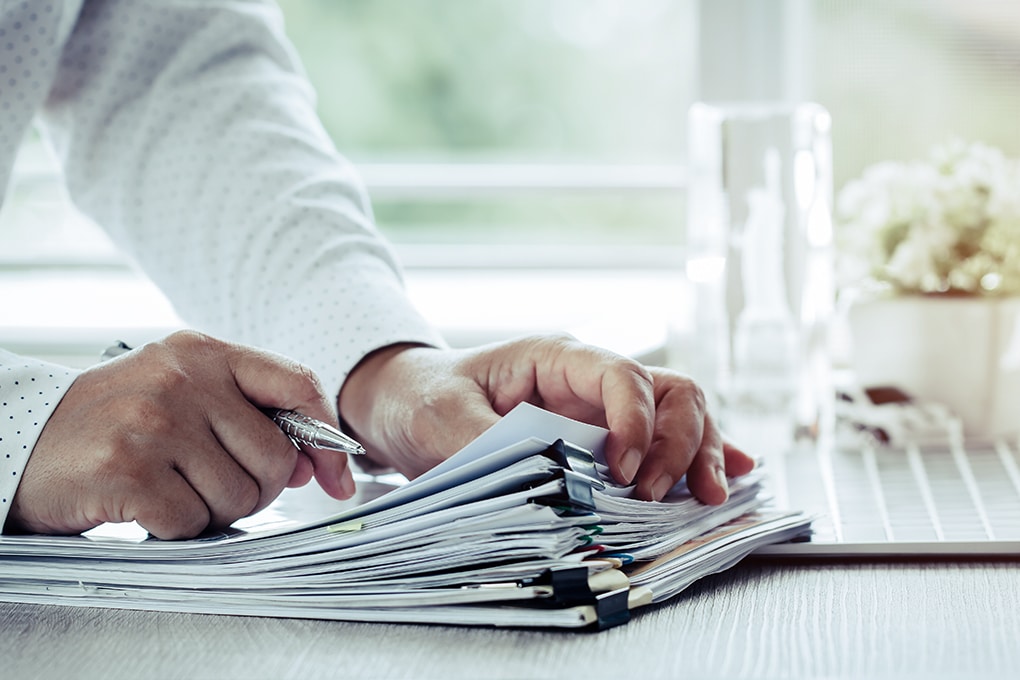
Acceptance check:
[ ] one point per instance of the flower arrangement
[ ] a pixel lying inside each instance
(947, 225)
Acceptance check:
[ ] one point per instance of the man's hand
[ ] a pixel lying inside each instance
(414, 406)
(170, 435)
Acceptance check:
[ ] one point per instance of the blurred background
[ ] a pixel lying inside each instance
(537, 148)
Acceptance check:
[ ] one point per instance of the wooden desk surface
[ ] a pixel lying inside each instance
(758, 620)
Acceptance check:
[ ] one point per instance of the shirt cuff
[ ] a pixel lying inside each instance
(29, 392)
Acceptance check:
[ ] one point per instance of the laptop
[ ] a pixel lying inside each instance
(927, 496)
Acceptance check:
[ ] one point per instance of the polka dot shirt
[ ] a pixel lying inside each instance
(188, 131)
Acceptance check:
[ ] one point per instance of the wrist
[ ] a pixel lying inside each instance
(359, 398)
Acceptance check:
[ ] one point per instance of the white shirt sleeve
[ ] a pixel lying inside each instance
(31, 35)
(188, 130)
(29, 391)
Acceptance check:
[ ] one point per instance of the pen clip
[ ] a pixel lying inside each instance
(115, 350)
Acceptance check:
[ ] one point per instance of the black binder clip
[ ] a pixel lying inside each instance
(612, 609)
(575, 496)
(571, 457)
(571, 589)
(569, 585)
(575, 468)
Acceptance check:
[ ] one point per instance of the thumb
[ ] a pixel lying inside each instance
(273, 380)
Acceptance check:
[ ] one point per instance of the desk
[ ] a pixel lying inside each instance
(758, 620)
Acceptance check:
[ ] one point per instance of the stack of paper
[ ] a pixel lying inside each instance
(514, 530)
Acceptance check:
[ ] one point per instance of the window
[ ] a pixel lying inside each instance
(522, 122)
(555, 130)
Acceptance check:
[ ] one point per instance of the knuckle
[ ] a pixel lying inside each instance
(190, 340)
(562, 337)
(117, 460)
(308, 380)
(558, 342)
(697, 394)
(163, 371)
(422, 420)
(127, 455)
(682, 387)
(273, 479)
(303, 383)
(638, 373)
(630, 372)
(552, 342)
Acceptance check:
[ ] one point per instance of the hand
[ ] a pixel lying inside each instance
(170, 435)
(414, 406)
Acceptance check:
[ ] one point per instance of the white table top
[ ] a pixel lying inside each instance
(761, 619)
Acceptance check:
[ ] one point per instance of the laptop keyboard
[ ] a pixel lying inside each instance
(881, 495)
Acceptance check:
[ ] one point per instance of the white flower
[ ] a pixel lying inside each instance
(948, 224)
(912, 266)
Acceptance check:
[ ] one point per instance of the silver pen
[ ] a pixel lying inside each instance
(300, 428)
(304, 429)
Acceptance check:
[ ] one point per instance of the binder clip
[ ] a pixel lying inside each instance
(571, 457)
(576, 469)
(575, 495)
(571, 587)
(612, 609)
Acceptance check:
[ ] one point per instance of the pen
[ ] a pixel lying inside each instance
(304, 429)
(300, 428)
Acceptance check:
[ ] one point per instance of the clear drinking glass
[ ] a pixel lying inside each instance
(760, 258)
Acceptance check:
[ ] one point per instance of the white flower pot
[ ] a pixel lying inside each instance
(961, 352)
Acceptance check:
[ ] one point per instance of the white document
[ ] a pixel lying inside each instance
(478, 540)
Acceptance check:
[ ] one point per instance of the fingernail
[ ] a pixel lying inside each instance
(629, 464)
(724, 484)
(661, 487)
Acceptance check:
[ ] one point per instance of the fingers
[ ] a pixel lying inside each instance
(267, 379)
(659, 426)
(630, 414)
(660, 429)
(683, 436)
(687, 442)
(706, 476)
(171, 435)
(171, 471)
(257, 452)
(332, 472)
(270, 457)
(302, 473)
(581, 382)
(200, 488)
(738, 462)
(623, 392)
(168, 508)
